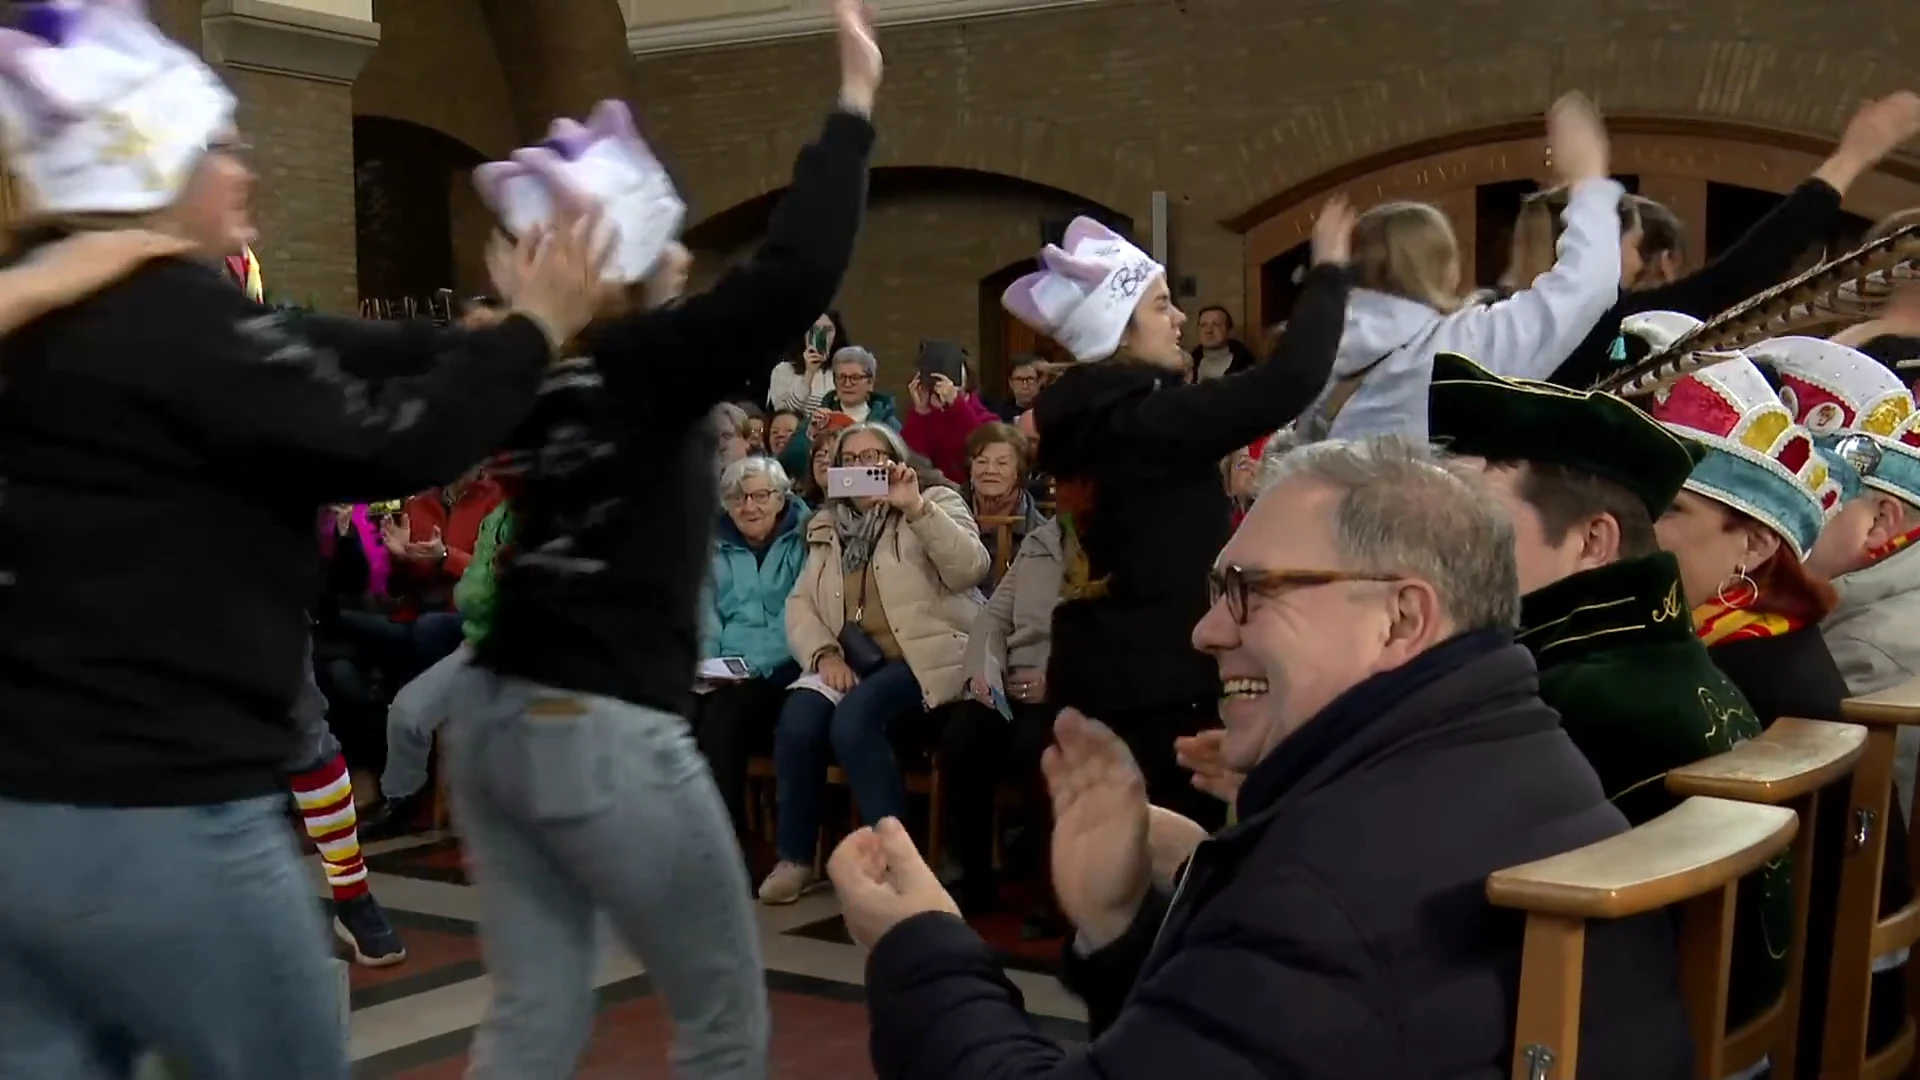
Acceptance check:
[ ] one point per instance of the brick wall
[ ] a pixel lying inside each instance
(1223, 103)
(302, 132)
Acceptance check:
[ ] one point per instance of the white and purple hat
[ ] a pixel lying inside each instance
(103, 113)
(1084, 295)
(602, 164)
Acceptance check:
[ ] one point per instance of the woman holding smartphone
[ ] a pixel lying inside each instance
(879, 621)
(801, 380)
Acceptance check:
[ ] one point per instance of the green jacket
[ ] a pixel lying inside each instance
(474, 595)
(798, 455)
(1638, 694)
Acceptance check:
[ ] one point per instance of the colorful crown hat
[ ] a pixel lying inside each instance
(602, 164)
(1758, 460)
(1836, 392)
(102, 112)
(1084, 294)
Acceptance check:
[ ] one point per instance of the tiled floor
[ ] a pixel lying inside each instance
(414, 1021)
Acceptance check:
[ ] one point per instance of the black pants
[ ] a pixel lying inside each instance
(1149, 733)
(732, 724)
(979, 751)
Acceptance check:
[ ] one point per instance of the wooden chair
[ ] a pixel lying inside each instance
(1693, 855)
(1789, 765)
(1860, 933)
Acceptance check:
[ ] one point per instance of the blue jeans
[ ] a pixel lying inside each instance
(570, 804)
(417, 712)
(812, 732)
(189, 930)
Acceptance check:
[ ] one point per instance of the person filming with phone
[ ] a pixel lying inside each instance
(878, 621)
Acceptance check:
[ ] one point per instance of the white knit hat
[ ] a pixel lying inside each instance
(103, 113)
(603, 163)
(1084, 295)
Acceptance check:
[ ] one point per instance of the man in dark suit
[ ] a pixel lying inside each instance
(1395, 751)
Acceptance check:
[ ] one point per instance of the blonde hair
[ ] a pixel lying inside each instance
(1407, 249)
(1536, 234)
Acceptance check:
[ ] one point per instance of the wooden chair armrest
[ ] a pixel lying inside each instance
(1698, 846)
(1792, 758)
(1896, 706)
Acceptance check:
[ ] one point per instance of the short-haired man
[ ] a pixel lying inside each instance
(1583, 476)
(1025, 377)
(1219, 353)
(1362, 628)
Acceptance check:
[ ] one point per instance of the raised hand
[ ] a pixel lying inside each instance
(1333, 232)
(860, 62)
(918, 394)
(1102, 861)
(903, 489)
(1201, 755)
(1577, 146)
(1878, 129)
(553, 276)
(882, 880)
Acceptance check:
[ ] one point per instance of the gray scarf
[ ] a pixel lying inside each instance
(859, 530)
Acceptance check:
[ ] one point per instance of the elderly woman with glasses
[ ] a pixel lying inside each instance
(853, 400)
(879, 621)
(757, 555)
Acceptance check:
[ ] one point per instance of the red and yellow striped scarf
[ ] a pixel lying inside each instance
(1892, 547)
(1716, 624)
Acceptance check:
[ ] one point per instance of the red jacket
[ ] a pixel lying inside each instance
(940, 435)
(459, 528)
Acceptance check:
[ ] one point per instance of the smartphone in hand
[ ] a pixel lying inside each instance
(855, 481)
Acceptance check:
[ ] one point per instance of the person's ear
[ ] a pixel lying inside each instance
(1759, 543)
(1890, 519)
(1600, 542)
(1413, 619)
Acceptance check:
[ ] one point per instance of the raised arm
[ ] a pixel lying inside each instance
(1207, 421)
(691, 354)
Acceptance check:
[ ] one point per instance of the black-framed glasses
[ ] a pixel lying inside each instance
(1236, 584)
(866, 457)
(851, 377)
(763, 497)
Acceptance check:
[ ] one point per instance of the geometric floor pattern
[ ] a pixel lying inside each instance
(414, 1021)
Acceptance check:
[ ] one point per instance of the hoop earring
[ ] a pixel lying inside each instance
(1745, 590)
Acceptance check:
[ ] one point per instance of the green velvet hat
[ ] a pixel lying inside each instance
(1475, 413)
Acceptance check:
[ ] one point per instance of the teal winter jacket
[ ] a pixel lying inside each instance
(746, 609)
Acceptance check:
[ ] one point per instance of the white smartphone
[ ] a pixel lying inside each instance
(856, 480)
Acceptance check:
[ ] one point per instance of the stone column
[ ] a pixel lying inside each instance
(292, 63)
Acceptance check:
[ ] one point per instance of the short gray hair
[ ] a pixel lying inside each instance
(730, 417)
(896, 447)
(733, 478)
(1406, 508)
(854, 354)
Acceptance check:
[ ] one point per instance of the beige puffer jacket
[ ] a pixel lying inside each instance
(926, 572)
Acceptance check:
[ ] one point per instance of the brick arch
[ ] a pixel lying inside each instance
(1042, 152)
(1447, 170)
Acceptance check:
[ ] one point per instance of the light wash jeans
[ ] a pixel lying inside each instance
(570, 804)
(418, 711)
(190, 930)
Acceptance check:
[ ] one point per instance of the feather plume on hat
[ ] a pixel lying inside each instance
(603, 164)
(101, 112)
(1840, 290)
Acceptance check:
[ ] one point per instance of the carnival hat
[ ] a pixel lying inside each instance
(102, 113)
(1085, 293)
(1759, 461)
(603, 164)
(1853, 406)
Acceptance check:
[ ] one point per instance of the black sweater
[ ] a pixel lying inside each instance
(1149, 448)
(164, 445)
(614, 515)
(1756, 262)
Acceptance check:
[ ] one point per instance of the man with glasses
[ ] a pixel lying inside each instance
(1023, 388)
(1396, 751)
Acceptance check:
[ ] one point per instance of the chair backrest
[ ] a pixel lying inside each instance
(1693, 856)
(1860, 932)
(1788, 765)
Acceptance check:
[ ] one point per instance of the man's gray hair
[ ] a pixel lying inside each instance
(733, 478)
(1406, 508)
(854, 354)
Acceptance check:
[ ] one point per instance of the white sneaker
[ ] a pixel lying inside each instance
(788, 883)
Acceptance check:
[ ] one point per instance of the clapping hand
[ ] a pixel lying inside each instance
(1577, 147)
(882, 881)
(1333, 233)
(396, 535)
(1201, 754)
(1102, 861)
(1879, 128)
(860, 62)
(432, 549)
(552, 275)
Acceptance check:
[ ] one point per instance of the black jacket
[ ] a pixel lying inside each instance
(1341, 930)
(1146, 448)
(617, 491)
(1758, 261)
(164, 447)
